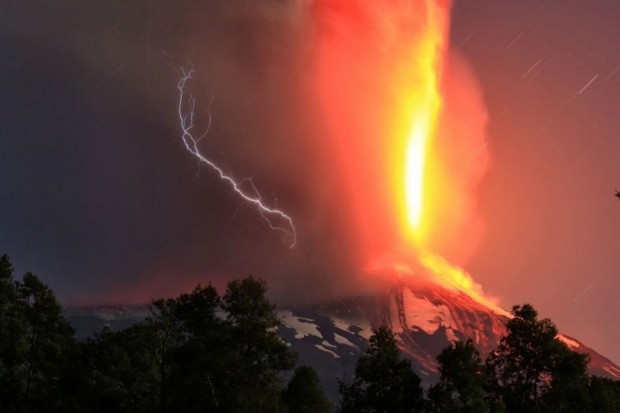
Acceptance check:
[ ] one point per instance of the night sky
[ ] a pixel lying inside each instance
(101, 200)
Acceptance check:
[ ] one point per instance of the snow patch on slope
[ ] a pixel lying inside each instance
(359, 327)
(421, 313)
(303, 327)
(322, 348)
(344, 341)
(570, 343)
(612, 370)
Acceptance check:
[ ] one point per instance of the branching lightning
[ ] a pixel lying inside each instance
(277, 219)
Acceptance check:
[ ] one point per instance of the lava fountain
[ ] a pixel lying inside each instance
(406, 128)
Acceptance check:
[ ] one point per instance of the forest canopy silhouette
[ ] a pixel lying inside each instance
(206, 351)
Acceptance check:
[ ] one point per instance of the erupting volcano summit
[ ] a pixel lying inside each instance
(407, 124)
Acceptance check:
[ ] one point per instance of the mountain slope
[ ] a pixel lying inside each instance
(425, 317)
(331, 336)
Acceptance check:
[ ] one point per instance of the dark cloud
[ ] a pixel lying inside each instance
(100, 197)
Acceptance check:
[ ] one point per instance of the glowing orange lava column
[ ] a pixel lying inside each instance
(397, 145)
(424, 105)
(378, 72)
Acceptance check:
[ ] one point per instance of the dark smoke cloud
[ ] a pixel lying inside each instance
(100, 198)
(107, 206)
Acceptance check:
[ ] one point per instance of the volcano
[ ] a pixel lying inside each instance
(425, 317)
(406, 121)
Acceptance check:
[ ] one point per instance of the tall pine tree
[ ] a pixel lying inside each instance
(384, 381)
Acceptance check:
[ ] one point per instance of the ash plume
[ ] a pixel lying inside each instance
(152, 222)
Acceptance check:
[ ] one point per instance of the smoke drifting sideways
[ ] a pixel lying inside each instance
(154, 223)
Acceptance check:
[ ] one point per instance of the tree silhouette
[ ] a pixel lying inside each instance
(460, 386)
(604, 395)
(50, 345)
(198, 358)
(122, 371)
(258, 353)
(38, 352)
(202, 352)
(384, 381)
(304, 393)
(194, 353)
(13, 343)
(533, 371)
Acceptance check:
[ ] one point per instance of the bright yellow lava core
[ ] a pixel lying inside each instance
(424, 106)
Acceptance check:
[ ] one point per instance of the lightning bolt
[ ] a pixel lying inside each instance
(277, 219)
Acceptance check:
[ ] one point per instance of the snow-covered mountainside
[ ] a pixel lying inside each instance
(426, 318)
(331, 336)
